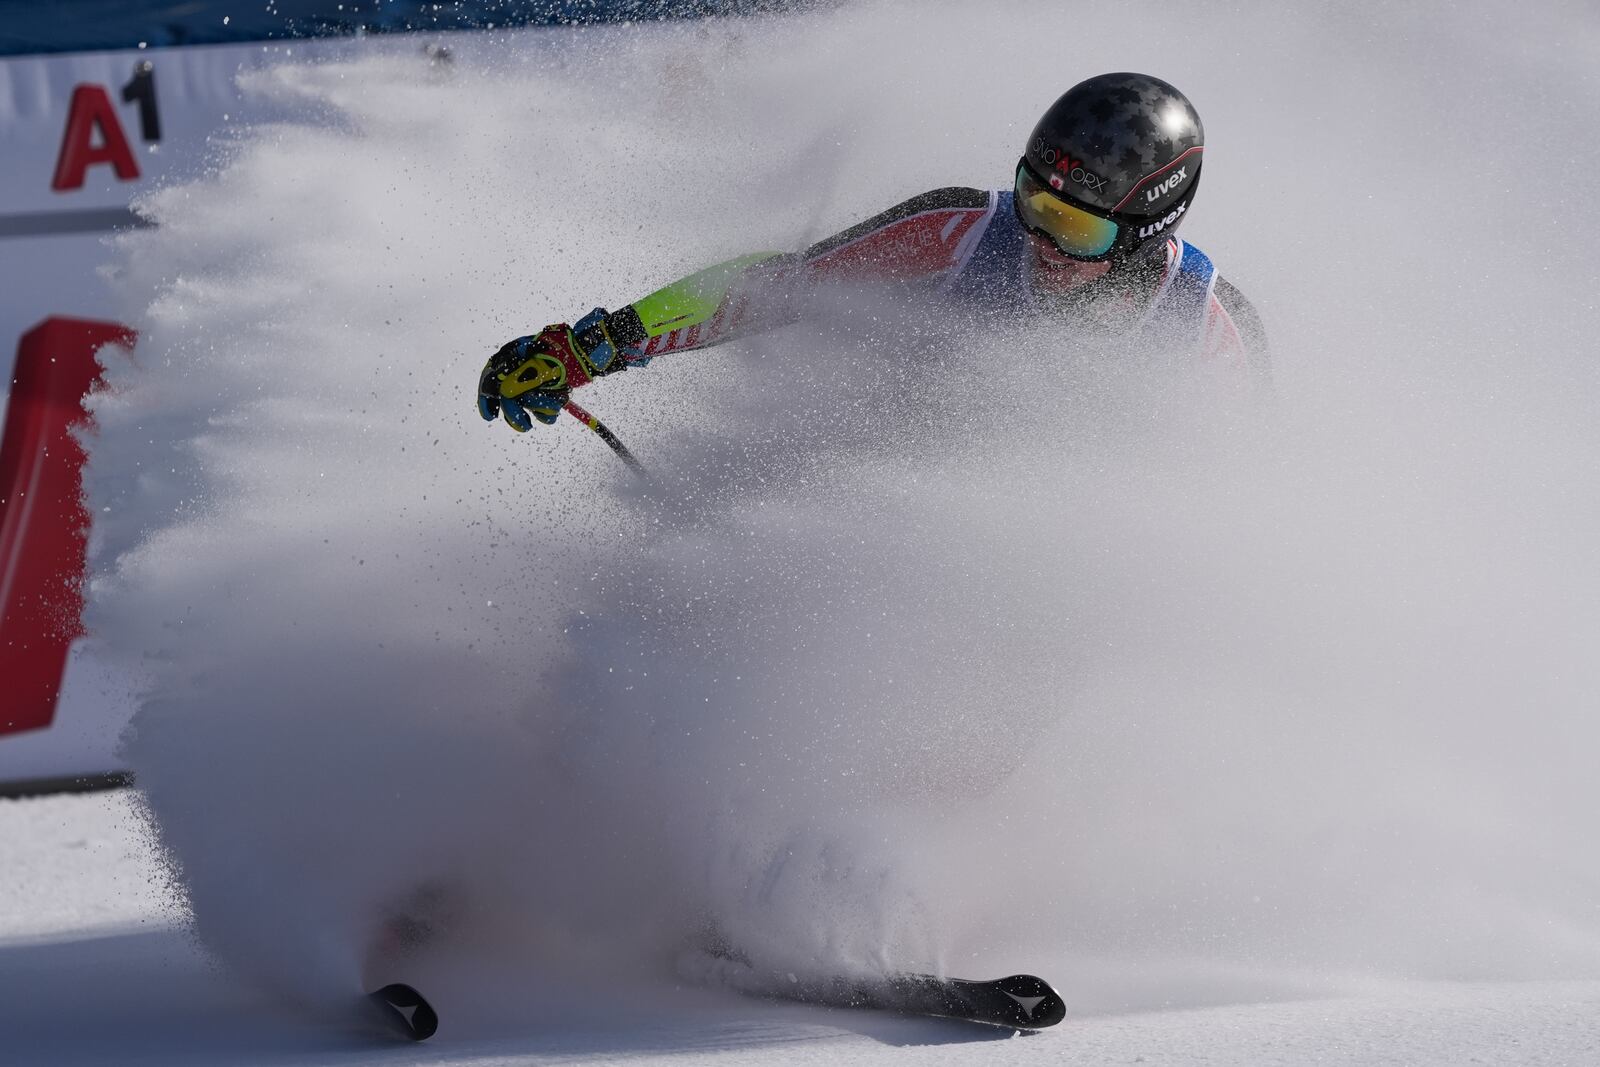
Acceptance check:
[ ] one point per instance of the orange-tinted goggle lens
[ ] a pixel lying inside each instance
(1075, 231)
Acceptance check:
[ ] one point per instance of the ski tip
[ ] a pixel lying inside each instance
(1036, 1004)
(405, 1011)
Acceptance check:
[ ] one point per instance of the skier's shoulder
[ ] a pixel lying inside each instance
(917, 235)
(1233, 303)
(1232, 325)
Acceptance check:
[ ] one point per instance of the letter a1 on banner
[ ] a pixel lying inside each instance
(92, 110)
(43, 526)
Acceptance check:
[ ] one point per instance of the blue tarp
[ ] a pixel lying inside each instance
(29, 27)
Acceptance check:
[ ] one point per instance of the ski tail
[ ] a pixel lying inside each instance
(1023, 1001)
(401, 1009)
(1019, 1001)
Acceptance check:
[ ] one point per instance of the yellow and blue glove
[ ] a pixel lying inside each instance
(533, 377)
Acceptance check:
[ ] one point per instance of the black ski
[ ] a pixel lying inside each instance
(401, 1009)
(1021, 1001)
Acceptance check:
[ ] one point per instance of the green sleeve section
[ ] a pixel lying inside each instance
(692, 300)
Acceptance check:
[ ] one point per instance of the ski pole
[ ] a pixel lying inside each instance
(607, 436)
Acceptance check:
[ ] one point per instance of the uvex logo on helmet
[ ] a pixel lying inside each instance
(1065, 168)
(1164, 184)
(1173, 180)
(1156, 227)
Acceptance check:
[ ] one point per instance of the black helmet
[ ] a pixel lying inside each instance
(1125, 150)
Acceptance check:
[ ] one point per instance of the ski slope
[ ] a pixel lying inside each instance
(93, 970)
(1268, 738)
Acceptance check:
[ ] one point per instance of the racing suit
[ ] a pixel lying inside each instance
(961, 244)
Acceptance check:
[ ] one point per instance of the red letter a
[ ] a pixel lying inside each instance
(91, 109)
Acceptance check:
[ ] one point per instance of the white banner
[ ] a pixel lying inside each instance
(84, 134)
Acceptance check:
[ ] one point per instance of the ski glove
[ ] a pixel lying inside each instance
(532, 377)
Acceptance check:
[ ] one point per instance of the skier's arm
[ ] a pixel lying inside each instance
(708, 306)
(919, 240)
(1234, 331)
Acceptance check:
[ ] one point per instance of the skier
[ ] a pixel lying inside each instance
(1086, 232)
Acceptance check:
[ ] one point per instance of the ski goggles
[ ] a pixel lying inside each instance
(1073, 230)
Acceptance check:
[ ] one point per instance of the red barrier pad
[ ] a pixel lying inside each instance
(43, 525)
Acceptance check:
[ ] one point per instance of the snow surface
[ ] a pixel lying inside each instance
(95, 969)
(1270, 739)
